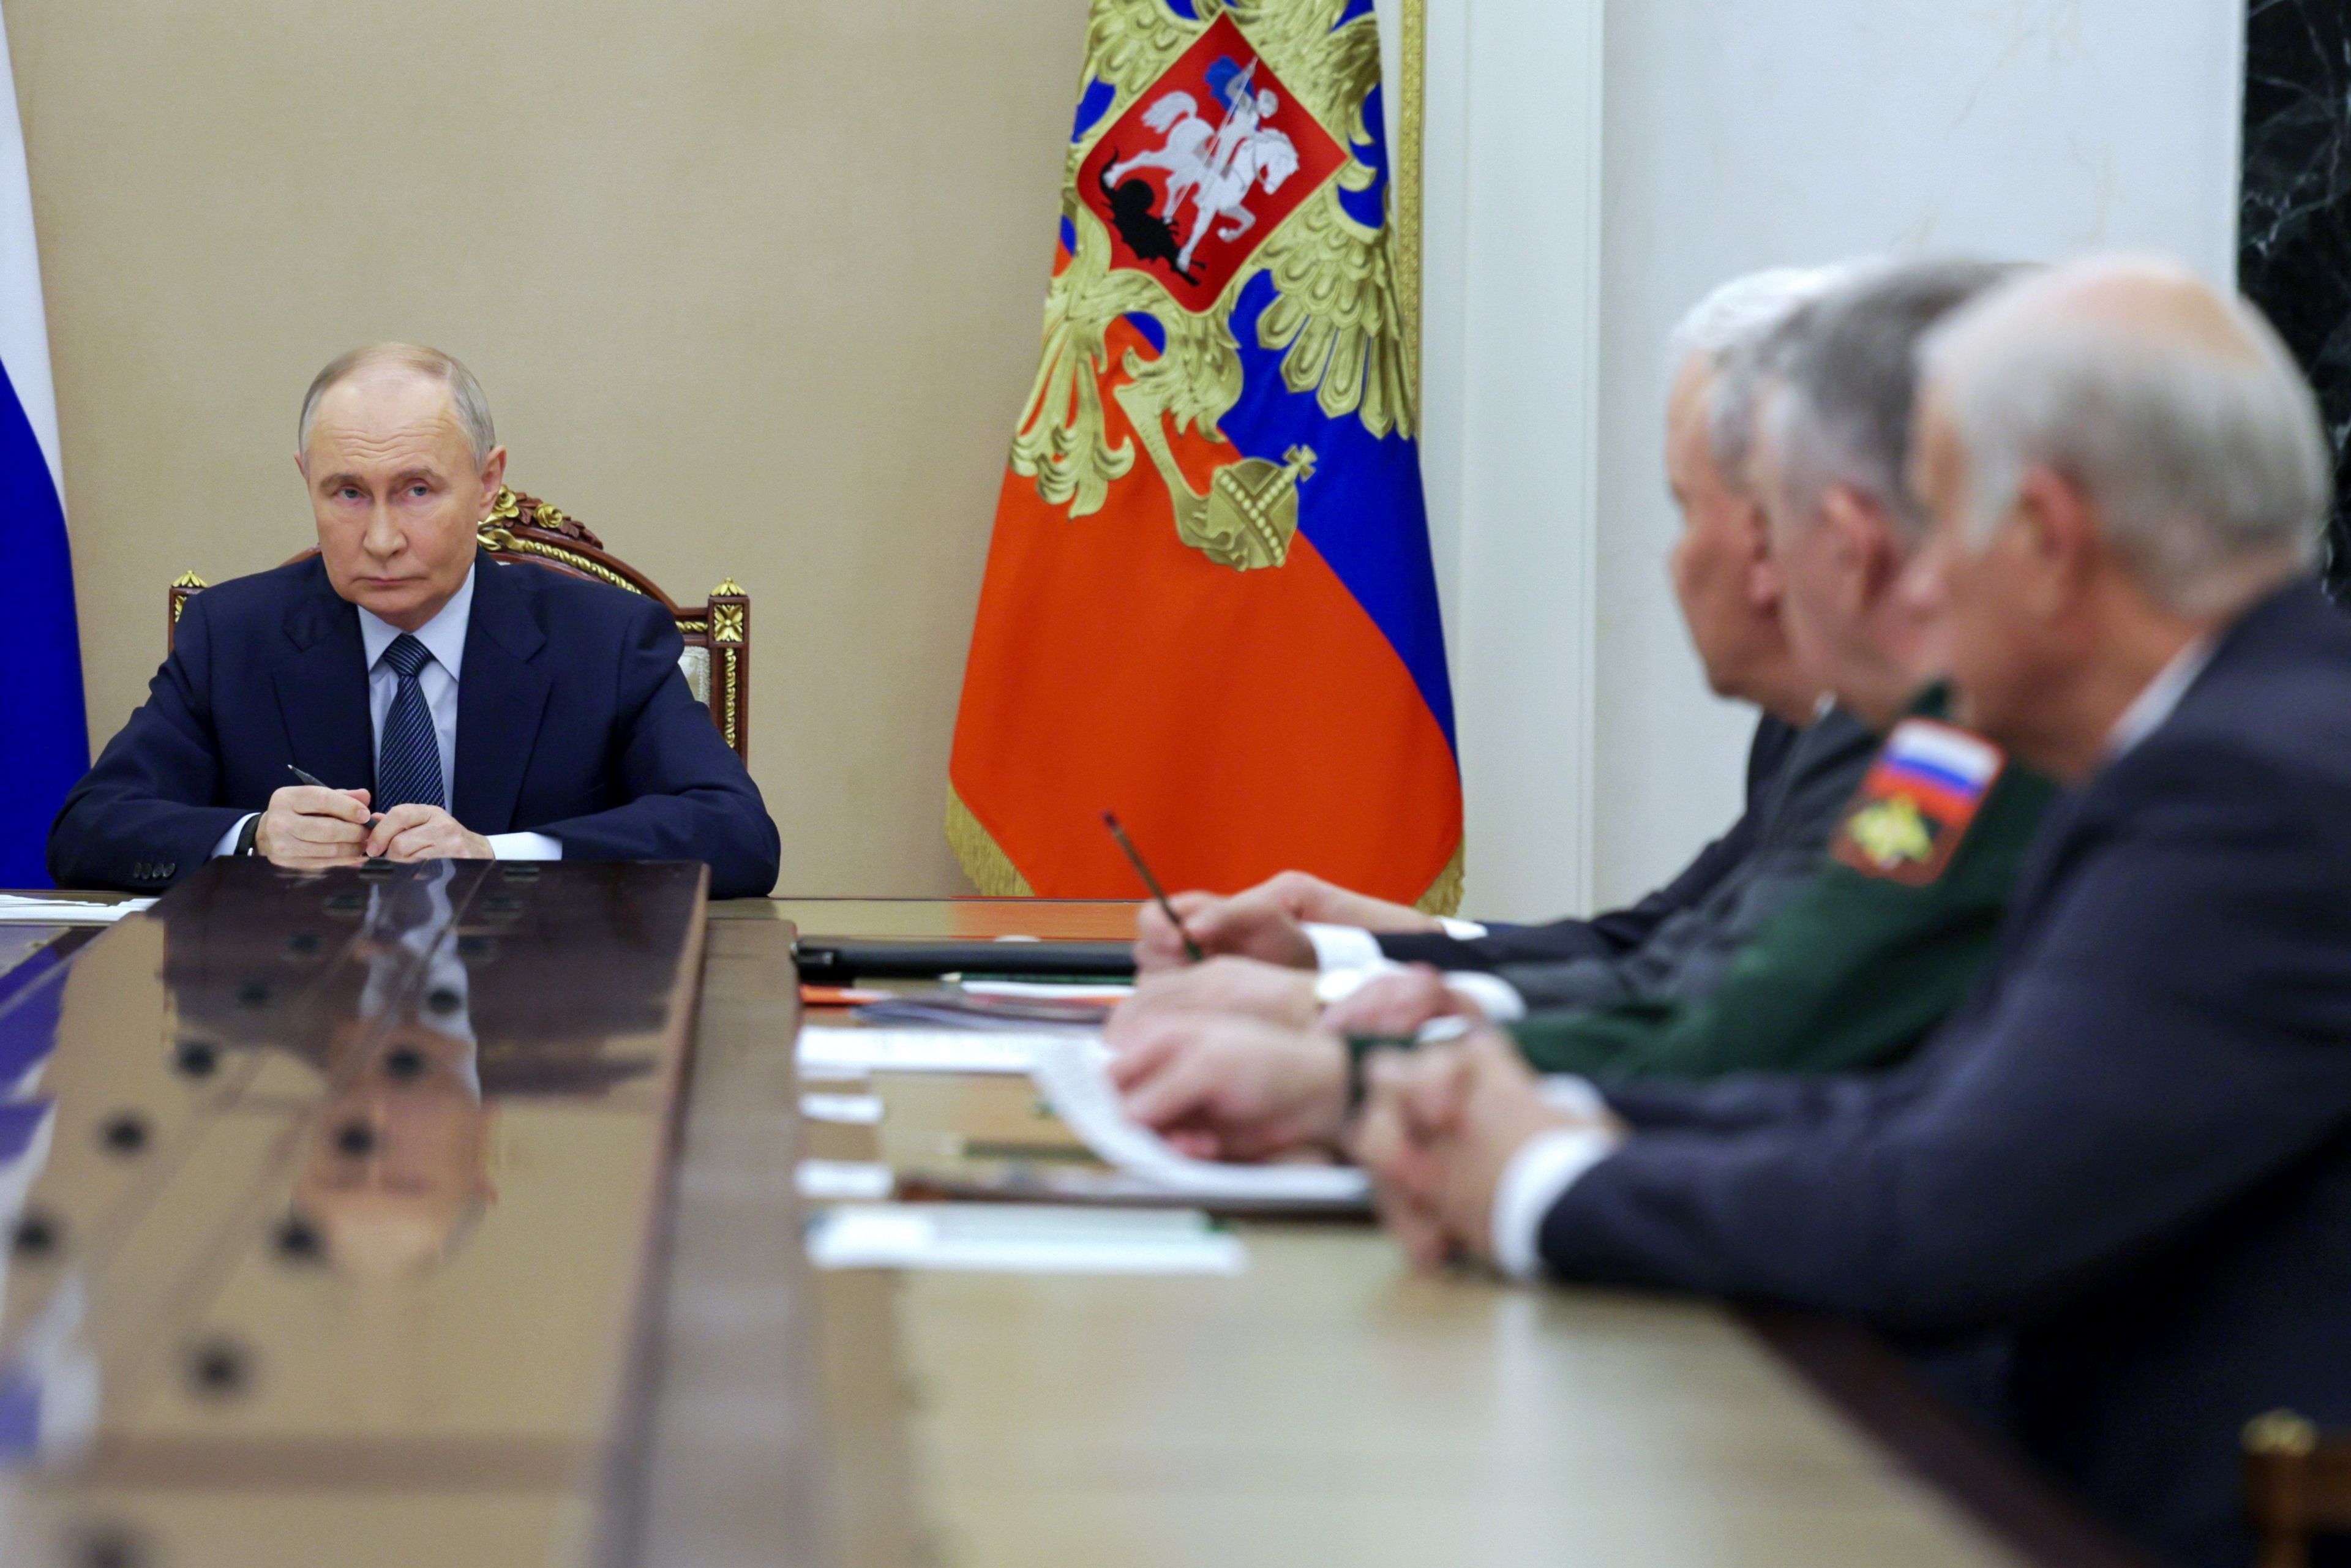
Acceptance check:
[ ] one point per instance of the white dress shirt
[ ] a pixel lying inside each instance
(2154, 705)
(443, 637)
(1542, 1170)
(1348, 955)
(1547, 1163)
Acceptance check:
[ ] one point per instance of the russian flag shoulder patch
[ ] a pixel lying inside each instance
(1917, 801)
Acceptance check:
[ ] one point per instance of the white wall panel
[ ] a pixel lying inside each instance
(1725, 135)
(1741, 133)
(1511, 382)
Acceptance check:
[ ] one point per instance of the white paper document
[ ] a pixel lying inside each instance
(843, 1181)
(830, 1050)
(1023, 1239)
(1074, 1077)
(844, 1110)
(17, 909)
(1056, 990)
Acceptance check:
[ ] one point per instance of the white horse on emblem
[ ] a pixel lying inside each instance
(1214, 166)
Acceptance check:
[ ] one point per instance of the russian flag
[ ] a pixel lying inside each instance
(1209, 603)
(41, 712)
(1944, 769)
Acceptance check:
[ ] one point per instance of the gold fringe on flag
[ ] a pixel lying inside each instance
(992, 872)
(1444, 894)
(990, 869)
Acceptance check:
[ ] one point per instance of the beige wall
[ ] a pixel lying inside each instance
(753, 286)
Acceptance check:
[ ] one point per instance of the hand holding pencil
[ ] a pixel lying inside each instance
(312, 826)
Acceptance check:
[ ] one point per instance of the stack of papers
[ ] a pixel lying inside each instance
(829, 1050)
(1070, 1069)
(19, 909)
(1066, 990)
(1022, 1238)
(1013, 1005)
(1074, 1077)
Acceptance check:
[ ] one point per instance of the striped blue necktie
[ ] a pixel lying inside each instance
(408, 757)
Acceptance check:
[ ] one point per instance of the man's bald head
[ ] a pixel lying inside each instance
(2173, 407)
(380, 361)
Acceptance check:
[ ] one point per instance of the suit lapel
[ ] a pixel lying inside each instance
(322, 689)
(500, 697)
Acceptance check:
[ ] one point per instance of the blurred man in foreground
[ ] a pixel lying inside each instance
(2132, 1148)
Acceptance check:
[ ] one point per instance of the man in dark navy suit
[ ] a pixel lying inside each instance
(449, 706)
(2129, 1154)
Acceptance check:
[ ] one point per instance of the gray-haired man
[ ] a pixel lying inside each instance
(2131, 1149)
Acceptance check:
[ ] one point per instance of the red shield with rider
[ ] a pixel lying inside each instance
(1203, 166)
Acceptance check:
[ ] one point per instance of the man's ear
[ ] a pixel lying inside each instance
(494, 475)
(1861, 541)
(1761, 572)
(2057, 530)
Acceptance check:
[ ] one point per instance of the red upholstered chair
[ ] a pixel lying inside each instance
(717, 658)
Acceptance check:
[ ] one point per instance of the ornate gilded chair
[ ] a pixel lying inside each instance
(717, 658)
(2297, 1484)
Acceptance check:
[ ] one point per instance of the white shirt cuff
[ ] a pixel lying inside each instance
(1537, 1178)
(227, 845)
(1571, 1096)
(1344, 947)
(1490, 994)
(525, 847)
(1461, 930)
(1338, 985)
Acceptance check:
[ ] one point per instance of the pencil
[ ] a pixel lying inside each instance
(1135, 859)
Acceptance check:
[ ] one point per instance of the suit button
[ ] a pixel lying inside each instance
(166, 869)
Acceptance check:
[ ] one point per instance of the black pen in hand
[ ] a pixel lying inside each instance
(1135, 859)
(316, 782)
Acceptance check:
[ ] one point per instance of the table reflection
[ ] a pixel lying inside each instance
(317, 1190)
(419, 1009)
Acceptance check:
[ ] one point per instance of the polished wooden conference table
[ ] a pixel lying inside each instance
(1324, 1404)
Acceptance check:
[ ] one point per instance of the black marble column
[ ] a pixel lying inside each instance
(2294, 237)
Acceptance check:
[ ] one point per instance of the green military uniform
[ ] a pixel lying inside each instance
(1871, 956)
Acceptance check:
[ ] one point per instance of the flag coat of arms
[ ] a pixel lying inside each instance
(1209, 603)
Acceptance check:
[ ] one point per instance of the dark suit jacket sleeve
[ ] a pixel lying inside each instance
(1619, 931)
(145, 814)
(2140, 1066)
(689, 795)
(1740, 1103)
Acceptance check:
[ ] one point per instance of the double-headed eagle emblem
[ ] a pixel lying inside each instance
(1225, 152)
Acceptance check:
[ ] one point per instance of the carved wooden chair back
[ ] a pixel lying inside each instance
(2297, 1485)
(717, 658)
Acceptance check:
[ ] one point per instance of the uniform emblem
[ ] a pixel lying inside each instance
(1227, 148)
(1917, 801)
